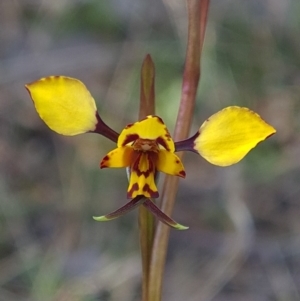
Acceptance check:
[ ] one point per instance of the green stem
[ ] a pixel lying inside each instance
(146, 219)
(197, 16)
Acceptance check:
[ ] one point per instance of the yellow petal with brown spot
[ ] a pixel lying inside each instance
(151, 128)
(142, 177)
(169, 163)
(119, 157)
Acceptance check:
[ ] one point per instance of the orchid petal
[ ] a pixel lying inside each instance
(150, 128)
(64, 104)
(142, 177)
(170, 164)
(227, 136)
(119, 157)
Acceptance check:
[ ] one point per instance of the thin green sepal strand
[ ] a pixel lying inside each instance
(162, 216)
(122, 210)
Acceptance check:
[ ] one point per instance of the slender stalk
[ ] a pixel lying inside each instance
(146, 220)
(197, 16)
(103, 129)
(147, 90)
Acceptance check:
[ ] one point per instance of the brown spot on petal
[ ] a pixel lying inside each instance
(182, 174)
(134, 188)
(150, 156)
(129, 125)
(159, 120)
(103, 163)
(130, 138)
(153, 194)
(162, 142)
(168, 136)
(105, 158)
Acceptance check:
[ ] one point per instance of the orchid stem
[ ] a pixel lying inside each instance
(146, 219)
(197, 16)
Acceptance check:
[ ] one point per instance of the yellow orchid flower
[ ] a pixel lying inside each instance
(146, 147)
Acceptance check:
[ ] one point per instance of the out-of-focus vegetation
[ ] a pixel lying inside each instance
(243, 242)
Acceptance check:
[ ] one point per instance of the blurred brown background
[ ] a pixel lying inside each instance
(244, 236)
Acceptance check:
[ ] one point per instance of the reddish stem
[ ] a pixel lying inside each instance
(197, 15)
